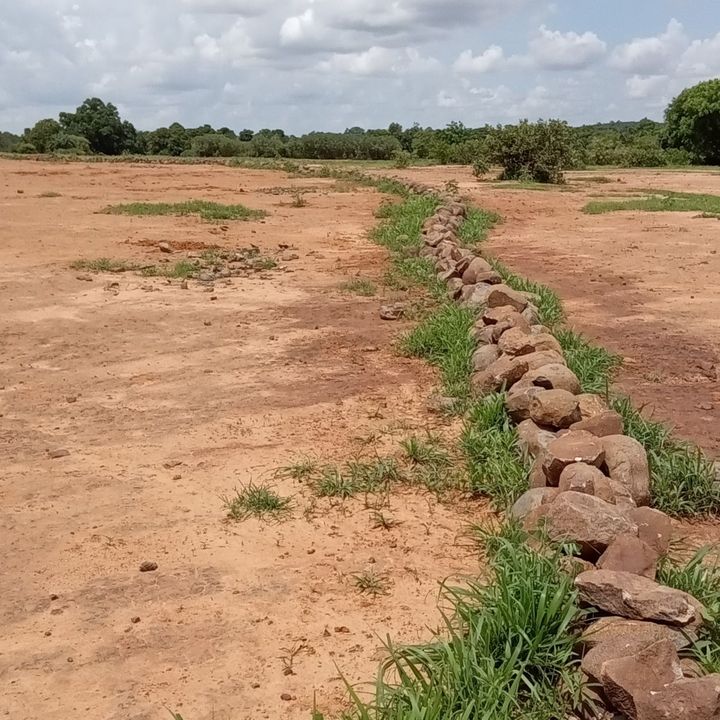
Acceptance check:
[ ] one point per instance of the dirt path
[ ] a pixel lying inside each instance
(642, 284)
(166, 398)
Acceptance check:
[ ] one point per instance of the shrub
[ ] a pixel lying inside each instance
(66, 144)
(401, 159)
(693, 121)
(532, 151)
(214, 145)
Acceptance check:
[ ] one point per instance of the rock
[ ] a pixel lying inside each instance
(489, 278)
(477, 266)
(164, 247)
(574, 565)
(518, 400)
(533, 440)
(85, 277)
(531, 314)
(611, 649)
(502, 295)
(635, 597)
(148, 566)
(484, 357)
(441, 404)
(580, 477)
(591, 405)
(627, 680)
(613, 492)
(654, 528)
(392, 312)
(184, 285)
(554, 376)
(543, 358)
(517, 341)
(135, 620)
(687, 699)
(537, 477)
(572, 447)
(493, 316)
(627, 553)
(483, 334)
(554, 408)
(691, 668)
(585, 520)
(504, 372)
(602, 425)
(617, 629)
(454, 288)
(531, 500)
(57, 454)
(627, 462)
(475, 295)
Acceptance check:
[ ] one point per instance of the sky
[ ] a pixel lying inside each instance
(308, 65)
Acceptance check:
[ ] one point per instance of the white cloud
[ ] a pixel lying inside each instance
(445, 100)
(702, 59)
(651, 55)
(298, 28)
(379, 61)
(641, 87)
(554, 50)
(491, 59)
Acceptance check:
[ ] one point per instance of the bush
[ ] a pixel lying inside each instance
(401, 159)
(693, 122)
(532, 151)
(214, 145)
(25, 148)
(66, 144)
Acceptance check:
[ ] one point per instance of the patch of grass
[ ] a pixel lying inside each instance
(593, 365)
(426, 451)
(104, 265)
(299, 470)
(380, 521)
(360, 286)
(258, 501)
(700, 577)
(658, 201)
(403, 221)
(683, 479)
(182, 269)
(299, 200)
(204, 208)
(443, 339)
(495, 465)
(476, 227)
(506, 651)
(354, 477)
(522, 185)
(371, 582)
(412, 272)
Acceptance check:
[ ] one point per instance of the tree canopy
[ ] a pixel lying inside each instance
(693, 122)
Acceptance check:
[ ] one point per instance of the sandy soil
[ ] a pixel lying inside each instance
(166, 398)
(642, 284)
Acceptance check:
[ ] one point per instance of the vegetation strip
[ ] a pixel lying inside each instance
(205, 209)
(660, 201)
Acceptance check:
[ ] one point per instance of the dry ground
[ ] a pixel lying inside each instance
(642, 284)
(167, 398)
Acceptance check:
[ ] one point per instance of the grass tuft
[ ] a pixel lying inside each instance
(204, 208)
(258, 501)
(360, 286)
(476, 227)
(104, 265)
(658, 201)
(593, 365)
(371, 582)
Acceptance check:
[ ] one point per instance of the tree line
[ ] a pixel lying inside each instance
(689, 134)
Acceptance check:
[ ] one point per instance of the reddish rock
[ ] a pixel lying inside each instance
(581, 478)
(613, 492)
(621, 630)
(495, 315)
(537, 477)
(520, 342)
(627, 462)
(554, 376)
(635, 597)
(572, 447)
(518, 401)
(504, 372)
(602, 425)
(475, 267)
(502, 295)
(532, 500)
(687, 699)
(454, 288)
(627, 553)
(533, 440)
(591, 405)
(484, 357)
(554, 408)
(654, 528)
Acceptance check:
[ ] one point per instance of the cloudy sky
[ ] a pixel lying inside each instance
(331, 64)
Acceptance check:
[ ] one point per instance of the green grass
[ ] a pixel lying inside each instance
(700, 577)
(203, 208)
(476, 227)
(683, 479)
(593, 365)
(495, 465)
(353, 478)
(443, 339)
(371, 582)
(658, 201)
(506, 651)
(360, 286)
(425, 451)
(259, 501)
(181, 269)
(104, 265)
(402, 223)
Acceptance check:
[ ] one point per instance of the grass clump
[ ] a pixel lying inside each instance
(658, 201)
(593, 365)
(258, 501)
(104, 265)
(182, 269)
(428, 451)
(353, 478)
(402, 223)
(443, 339)
(495, 464)
(360, 286)
(203, 208)
(506, 651)
(683, 479)
(476, 227)
(370, 582)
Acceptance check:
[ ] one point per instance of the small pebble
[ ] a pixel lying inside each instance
(135, 620)
(59, 453)
(286, 697)
(148, 566)
(54, 597)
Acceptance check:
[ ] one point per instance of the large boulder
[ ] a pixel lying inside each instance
(635, 597)
(533, 440)
(654, 528)
(518, 400)
(627, 553)
(502, 295)
(591, 405)
(572, 447)
(585, 520)
(627, 463)
(614, 647)
(532, 500)
(554, 408)
(619, 630)
(602, 425)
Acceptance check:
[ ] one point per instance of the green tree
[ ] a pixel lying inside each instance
(245, 135)
(693, 121)
(69, 144)
(100, 124)
(42, 133)
(9, 141)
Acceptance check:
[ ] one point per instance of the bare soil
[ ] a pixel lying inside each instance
(644, 285)
(167, 398)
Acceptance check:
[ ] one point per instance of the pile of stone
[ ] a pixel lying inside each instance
(590, 488)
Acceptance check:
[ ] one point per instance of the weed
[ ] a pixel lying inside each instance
(182, 269)
(360, 286)
(443, 339)
(425, 452)
(476, 227)
(380, 521)
(371, 582)
(104, 265)
(288, 659)
(299, 470)
(258, 501)
(658, 201)
(299, 200)
(495, 465)
(205, 209)
(332, 483)
(593, 365)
